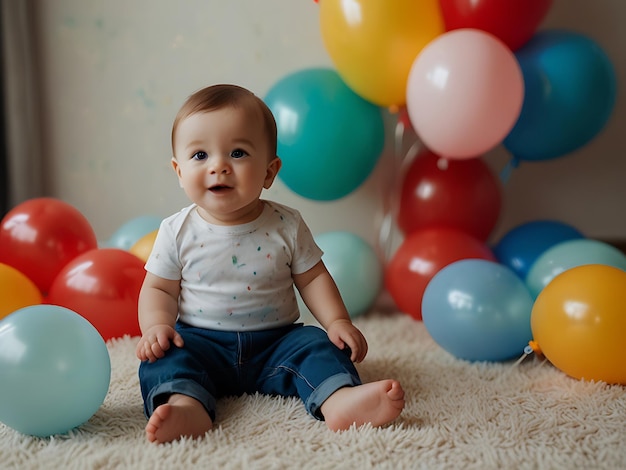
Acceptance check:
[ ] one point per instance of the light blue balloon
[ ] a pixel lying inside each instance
(567, 255)
(569, 94)
(478, 310)
(354, 266)
(55, 370)
(329, 138)
(131, 231)
(519, 248)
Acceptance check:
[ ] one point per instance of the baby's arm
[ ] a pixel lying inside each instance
(158, 310)
(320, 294)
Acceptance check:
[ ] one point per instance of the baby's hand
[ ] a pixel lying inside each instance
(156, 340)
(343, 333)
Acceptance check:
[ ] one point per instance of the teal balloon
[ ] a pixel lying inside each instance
(570, 254)
(478, 310)
(132, 230)
(354, 266)
(570, 90)
(329, 138)
(55, 370)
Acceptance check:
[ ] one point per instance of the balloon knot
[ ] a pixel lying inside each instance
(534, 347)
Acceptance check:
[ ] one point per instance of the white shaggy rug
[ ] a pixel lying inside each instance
(458, 415)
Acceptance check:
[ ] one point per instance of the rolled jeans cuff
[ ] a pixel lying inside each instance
(159, 395)
(325, 390)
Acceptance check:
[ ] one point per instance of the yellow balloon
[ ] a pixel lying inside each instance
(16, 291)
(373, 43)
(143, 247)
(579, 323)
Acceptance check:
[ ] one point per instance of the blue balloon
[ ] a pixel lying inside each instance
(570, 254)
(519, 248)
(478, 310)
(329, 138)
(55, 370)
(354, 266)
(570, 92)
(131, 231)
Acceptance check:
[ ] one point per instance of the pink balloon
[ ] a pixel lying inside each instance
(464, 93)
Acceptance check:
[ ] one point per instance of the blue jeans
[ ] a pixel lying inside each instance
(294, 360)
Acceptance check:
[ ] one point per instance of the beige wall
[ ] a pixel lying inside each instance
(114, 72)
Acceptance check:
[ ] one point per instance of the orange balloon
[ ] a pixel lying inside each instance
(143, 247)
(373, 43)
(579, 323)
(16, 291)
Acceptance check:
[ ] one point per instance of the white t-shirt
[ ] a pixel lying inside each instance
(235, 278)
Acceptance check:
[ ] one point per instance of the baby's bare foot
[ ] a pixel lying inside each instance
(377, 403)
(180, 416)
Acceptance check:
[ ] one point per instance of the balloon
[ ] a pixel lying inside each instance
(567, 255)
(478, 310)
(133, 230)
(319, 118)
(103, 286)
(462, 194)
(578, 322)
(16, 291)
(373, 43)
(421, 255)
(143, 247)
(40, 236)
(464, 93)
(521, 246)
(513, 21)
(570, 94)
(354, 266)
(55, 370)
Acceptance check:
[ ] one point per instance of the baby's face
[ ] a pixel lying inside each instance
(223, 162)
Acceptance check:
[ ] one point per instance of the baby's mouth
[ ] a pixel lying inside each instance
(219, 188)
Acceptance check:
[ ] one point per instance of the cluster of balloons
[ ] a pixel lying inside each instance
(468, 75)
(61, 297)
(474, 73)
(547, 283)
(49, 254)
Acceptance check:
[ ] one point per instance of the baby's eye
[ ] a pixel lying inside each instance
(238, 153)
(199, 156)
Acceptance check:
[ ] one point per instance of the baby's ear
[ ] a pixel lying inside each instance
(272, 170)
(176, 168)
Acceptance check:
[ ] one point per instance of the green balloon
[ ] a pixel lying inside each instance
(329, 138)
(570, 254)
(354, 266)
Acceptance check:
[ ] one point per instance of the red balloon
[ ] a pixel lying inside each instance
(103, 286)
(462, 194)
(512, 21)
(422, 255)
(40, 236)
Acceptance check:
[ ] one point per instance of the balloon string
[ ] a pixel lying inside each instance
(532, 348)
(392, 196)
(507, 171)
(527, 352)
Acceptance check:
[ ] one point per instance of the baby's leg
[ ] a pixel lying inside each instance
(377, 403)
(181, 416)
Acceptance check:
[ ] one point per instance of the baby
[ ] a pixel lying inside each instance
(218, 311)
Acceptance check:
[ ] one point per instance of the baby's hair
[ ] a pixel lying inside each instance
(216, 97)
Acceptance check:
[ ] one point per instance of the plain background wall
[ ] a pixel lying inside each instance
(113, 74)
